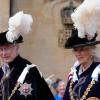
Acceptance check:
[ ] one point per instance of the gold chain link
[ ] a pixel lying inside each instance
(14, 90)
(85, 93)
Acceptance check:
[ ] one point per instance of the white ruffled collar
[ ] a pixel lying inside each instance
(94, 75)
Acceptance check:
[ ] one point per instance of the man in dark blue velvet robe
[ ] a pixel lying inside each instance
(33, 86)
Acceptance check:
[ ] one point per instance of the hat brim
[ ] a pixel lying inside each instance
(81, 45)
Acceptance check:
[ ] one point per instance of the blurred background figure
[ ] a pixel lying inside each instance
(59, 88)
(49, 80)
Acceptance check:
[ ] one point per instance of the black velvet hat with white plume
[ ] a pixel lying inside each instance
(19, 25)
(4, 41)
(86, 19)
(75, 41)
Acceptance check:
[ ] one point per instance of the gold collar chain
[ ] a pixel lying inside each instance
(85, 93)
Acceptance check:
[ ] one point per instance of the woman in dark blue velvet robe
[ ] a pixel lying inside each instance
(84, 79)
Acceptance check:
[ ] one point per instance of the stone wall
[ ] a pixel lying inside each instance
(4, 14)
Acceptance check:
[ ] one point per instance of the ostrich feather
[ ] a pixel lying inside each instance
(86, 18)
(19, 24)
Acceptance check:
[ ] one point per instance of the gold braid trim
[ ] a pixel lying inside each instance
(85, 93)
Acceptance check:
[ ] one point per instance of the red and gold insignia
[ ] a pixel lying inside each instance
(93, 98)
(25, 89)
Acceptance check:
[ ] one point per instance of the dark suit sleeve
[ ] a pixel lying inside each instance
(45, 91)
(42, 90)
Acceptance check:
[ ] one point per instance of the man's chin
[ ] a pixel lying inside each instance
(6, 60)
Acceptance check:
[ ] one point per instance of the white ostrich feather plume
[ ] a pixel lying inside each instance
(86, 18)
(19, 24)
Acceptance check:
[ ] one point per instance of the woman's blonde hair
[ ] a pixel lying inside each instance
(94, 52)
